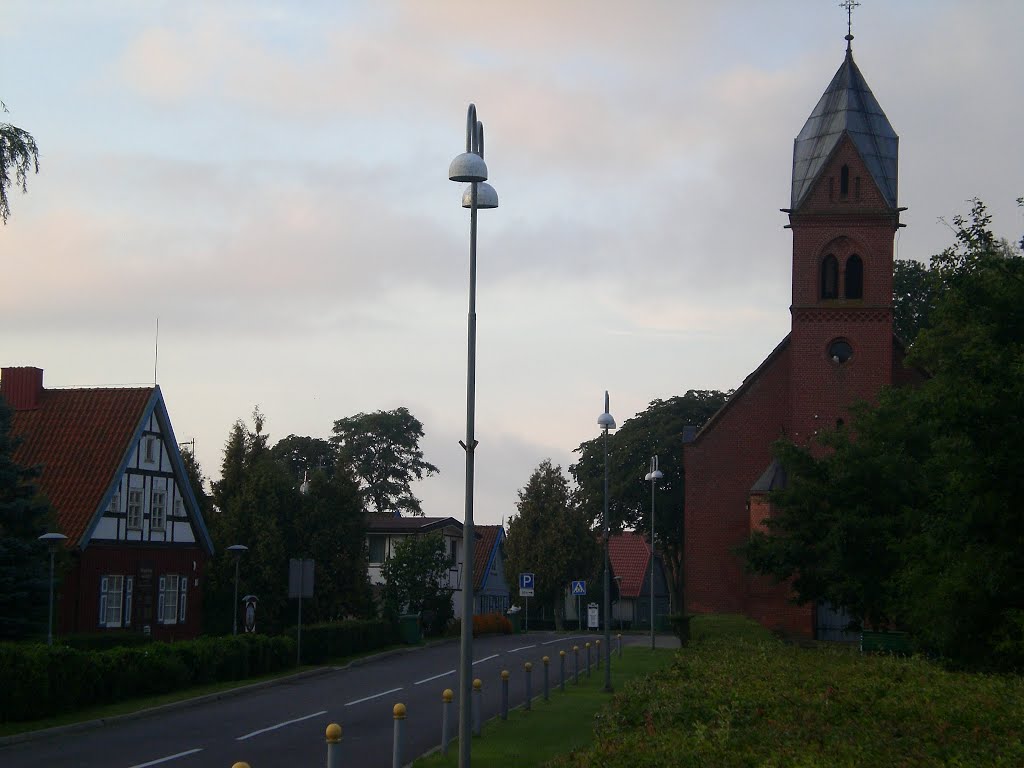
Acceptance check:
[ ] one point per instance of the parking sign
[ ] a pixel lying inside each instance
(526, 585)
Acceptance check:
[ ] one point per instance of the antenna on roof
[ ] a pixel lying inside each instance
(156, 349)
(849, 5)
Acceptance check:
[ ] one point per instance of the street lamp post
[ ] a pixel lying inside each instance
(606, 422)
(237, 550)
(654, 474)
(470, 167)
(52, 540)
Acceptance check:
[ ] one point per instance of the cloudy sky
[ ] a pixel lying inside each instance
(270, 181)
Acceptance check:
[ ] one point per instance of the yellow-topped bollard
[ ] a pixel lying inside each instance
(333, 733)
(478, 684)
(399, 711)
(528, 666)
(478, 687)
(399, 735)
(504, 674)
(447, 695)
(240, 765)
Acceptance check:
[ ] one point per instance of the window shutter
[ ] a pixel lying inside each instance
(160, 600)
(130, 582)
(181, 606)
(103, 601)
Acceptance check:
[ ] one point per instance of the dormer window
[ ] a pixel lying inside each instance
(830, 278)
(854, 278)
(844, 181)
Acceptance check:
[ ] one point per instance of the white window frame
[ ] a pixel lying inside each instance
(150, 456)
(384, 548)
(179, 507)
(115, 502)
(167, 603)
(158, 510)
(111, 600)
(136, 500)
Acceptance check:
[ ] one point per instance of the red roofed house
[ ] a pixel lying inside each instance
(490, 588)
(630, 556)
(112, 472)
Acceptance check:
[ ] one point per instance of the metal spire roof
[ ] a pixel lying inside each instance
(846, 108)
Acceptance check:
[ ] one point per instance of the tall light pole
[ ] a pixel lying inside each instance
(470, 167)
(237, 550)
(52, 540)
(654, 474)
(605, 421)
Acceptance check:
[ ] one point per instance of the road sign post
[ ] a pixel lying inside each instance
(526, 584)
(579, 590)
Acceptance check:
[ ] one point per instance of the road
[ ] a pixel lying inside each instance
(282, 725)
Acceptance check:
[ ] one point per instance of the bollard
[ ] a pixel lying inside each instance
(528, 670)
(598, 653)
(561, 663)
(333, 745)
(240, 765)
(576, 664)
(619, 638)
(396, 754)
(504, 694)
(478, 686)
(547, 685)
(446, 697)
(588, 659)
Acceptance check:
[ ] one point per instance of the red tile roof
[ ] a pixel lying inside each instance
(630, 557)
(487, 538)
(79, 437)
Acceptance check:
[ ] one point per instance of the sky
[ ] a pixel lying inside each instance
(267, 182)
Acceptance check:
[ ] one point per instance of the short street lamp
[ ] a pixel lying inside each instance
(237, 550)
(605, 421)
(470, 167)
(654, 474)
(52, 540)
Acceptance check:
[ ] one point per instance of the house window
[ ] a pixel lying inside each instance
(115, 601)
(829, 277)
(171, 599)
(135, 508)
(377, 549)
(157, 511)
(150, 450)
(115, 502)
(453, 551)
(854, 282)
(179, 508)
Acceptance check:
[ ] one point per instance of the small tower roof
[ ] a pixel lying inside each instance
(847, 108)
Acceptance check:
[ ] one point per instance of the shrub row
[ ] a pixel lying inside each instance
(491, 624)
(321, 642)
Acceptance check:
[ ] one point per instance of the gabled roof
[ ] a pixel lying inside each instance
(488, 542)
(80, 438)
(847, 108)
(389, 524)
(630, 558)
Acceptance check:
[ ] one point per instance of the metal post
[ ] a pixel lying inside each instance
(588, 659)
(561, 661)
(598, 643)
(654, 468)
(528, 669)
(234, 616)
(478, 686)
(526, 626)
(504, 694)
(547, 685)
(333, 745)
(619, 639)
(298, 635)
(49, 620)
(607, 572)
(396, 753)
(579, 613)
(576, 664)
(446, 697)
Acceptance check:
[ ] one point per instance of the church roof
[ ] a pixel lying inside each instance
(773, 479)
(847, 108)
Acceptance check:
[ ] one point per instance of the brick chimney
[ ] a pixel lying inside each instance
(21, 387)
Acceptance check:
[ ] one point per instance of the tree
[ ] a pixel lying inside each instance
(24, 516)
(657, 431)
(551, 537)
(305, 455)
(913, 515)
(18, 152)
(383, 450)
(914, 292)
(415, 577)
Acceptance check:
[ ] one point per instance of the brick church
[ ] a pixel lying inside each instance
(841, 349)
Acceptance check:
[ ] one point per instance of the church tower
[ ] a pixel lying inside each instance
(843, 215)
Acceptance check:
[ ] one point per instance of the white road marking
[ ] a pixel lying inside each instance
(280, 725)
(525, 647)
(486, 658)
(427, 680)
(169, 757)
(562, 640)
(375, 696)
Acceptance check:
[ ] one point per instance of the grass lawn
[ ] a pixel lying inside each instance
(551, 728)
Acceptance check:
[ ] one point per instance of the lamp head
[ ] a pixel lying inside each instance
(486, 197)
(655, 475)
(52, 540)
(606, 421)
(238, 548)
(468, 166)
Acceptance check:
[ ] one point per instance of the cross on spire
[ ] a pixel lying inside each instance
(849, 5)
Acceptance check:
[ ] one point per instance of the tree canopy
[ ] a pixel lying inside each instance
(416, 578)
(383, 451)
(912, 515)
(19, 154)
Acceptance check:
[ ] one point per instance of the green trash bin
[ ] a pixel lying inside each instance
(409, 628)
(516, 623)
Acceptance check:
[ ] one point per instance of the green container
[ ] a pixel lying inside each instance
(516, 623)
(409, 628)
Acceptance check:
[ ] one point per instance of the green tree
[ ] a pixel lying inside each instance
(24, 516)
(551, 537)
(657, 431)
(383, 450)
(914, 293)
(18, 154)
(914, 514)
(415, 579)
(306, 455)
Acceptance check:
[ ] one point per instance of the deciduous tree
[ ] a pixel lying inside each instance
(19, 155)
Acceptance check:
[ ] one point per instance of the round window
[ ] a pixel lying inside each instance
(839, 351)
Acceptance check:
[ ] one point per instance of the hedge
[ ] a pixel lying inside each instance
(321, 642)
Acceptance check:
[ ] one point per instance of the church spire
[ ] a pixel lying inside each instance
(849, 5)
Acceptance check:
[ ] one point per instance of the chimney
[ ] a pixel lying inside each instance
(21, 387)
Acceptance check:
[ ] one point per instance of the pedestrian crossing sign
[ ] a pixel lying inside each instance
(579, 588)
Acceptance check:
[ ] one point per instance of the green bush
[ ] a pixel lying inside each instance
(321, 642)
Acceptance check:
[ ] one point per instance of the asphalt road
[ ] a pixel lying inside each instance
(282, 725)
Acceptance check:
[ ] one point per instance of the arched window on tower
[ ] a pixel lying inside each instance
(854, 282)
(829, 277)
(844, 181)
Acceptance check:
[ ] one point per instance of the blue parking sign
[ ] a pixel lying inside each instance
(526, 585)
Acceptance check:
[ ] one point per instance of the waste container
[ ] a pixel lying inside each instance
(513, 617)
(409, 628)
